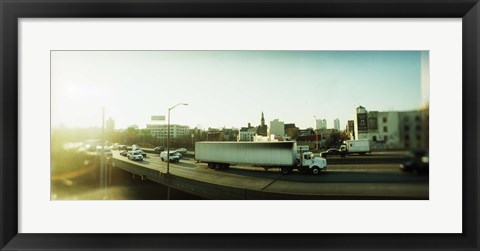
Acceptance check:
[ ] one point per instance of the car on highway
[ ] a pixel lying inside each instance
(173, 156)
(178, 154)
(159, 149)
(181, 150)
(135, 155)
(144, 154)
(123, 152)
(418, 163)
(332, 152)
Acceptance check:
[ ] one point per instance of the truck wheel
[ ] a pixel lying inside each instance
(285, 170)
(162, 159)
(211, 165)
(315, 170)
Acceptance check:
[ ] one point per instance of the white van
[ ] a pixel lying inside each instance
(173, 156)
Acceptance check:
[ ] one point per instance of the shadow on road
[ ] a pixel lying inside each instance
(184, 164)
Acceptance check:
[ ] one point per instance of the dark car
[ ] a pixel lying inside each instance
(332, 152)
(159, 149)
(417, 163)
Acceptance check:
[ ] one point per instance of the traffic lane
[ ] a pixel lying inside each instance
(187, 168)
(354, 176)
(337, 173)
(334, 174)
(338, 182)
(375, 180)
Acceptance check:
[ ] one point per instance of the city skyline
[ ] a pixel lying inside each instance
(232, 88)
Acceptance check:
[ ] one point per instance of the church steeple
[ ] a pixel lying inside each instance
(262, 129)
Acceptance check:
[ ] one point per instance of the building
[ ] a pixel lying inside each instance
(109, 125)
(214, 134)
(229, 134)
(160, 130)
(277, 128)
(291, 131)
(412, 130)
(336, 124)
(393, 129)
(350, 129)
(246, 133)
(262, 129)
(321, 124)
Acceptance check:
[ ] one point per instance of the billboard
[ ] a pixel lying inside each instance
(362, 122)
(158, 117)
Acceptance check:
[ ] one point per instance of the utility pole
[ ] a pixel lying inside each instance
(168, 146)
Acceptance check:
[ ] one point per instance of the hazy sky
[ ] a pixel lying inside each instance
(230, 88)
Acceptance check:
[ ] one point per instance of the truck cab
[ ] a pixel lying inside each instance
(308, 162)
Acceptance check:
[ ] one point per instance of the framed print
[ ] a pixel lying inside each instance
(239, 125)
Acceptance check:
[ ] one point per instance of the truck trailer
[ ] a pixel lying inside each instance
(359, 146)
(283, 155)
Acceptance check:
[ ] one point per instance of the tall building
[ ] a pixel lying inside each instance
(110, 125)
(336, 124)
(161, 130)
(277, 127)
(321, 124)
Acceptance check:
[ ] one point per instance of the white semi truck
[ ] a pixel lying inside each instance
(359, 146)
(283, 155)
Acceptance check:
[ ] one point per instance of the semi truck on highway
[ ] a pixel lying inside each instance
(283, 155)
(359, 146)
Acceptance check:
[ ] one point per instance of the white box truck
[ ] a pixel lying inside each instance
(283, 155)
(359, 146)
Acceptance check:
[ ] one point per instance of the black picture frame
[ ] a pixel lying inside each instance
(11, 11)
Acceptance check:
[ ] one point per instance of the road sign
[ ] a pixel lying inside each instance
(302, 148)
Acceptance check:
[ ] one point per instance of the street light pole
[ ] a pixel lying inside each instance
(168, 136)
(168, 147)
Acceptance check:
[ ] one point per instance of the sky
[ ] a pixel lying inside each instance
(230, 88)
